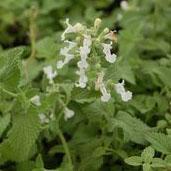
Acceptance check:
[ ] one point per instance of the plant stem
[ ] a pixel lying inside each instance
(32, 36)
(32, 30)
(66, 148)
(62, 138)
(8, 92)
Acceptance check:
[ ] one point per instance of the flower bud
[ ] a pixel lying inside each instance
(79, 27)
(97, 23)
(106, 30)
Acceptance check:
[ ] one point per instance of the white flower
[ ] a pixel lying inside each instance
(65, 52)
(105, 95)
(124, 5)
(43, 118)
(83, 79)
(107, 51)
(82, 64)
(125, 95)
(71, 29)
(68, 113)
(36, 100)
(49, 73)
(100, 85)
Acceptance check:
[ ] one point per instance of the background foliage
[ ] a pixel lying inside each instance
(110, 136)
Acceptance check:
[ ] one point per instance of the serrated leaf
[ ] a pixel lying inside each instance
(22, 137)
(10, 65)
(83, 95)
(147, 154)
(134, 161)
(126, 72)
(99, 108)
(157, 162)
(4, 122)
(132, 126)
(160, 142)
(143, 103)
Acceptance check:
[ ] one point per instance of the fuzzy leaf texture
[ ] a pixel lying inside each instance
(10, 68)
(160, 142)
(21, 138)
(133, 127)
(4, 122)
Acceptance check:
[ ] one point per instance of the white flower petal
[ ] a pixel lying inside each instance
(82, 64)
(71, 29)
(83, 79)
(68, 113)
(48, 70)
(65, 52)
(111, 58)
(120, 89)
(36, 100)
(127, 96)
(106, 97)
(43, 118)
(100, 85)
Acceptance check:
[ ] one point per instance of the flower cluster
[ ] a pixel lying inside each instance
(86, 39)
(85, 48)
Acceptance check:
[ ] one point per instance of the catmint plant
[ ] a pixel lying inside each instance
(80, 96)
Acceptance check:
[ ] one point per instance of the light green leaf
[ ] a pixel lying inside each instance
(132, 127)
(134, 161)
(147, 167)
(147, 154)
(157, 162)
(160, 142)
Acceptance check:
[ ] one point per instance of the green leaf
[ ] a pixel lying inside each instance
(126, 72)
(157, 162)
(147, 154)
(143, 103)
(147, 167)
(25, 166)
(134, 161)
(46, 48)
(98, 108)
(132, 127)
(10, 65)
(160, 142)
(83, 95)
(4, 122)
(168, 160)
(22, 137)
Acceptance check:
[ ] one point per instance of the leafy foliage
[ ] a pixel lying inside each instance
(48, 123)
